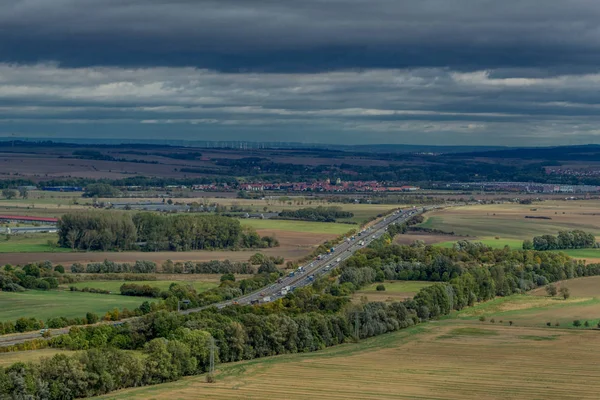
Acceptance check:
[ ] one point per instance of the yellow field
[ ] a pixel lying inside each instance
(436, 361)
(7, 359)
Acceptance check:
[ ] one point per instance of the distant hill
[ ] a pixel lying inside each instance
(590, 152)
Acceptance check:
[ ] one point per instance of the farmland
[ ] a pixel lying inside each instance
(394, 290)
(508, 220)
(49, 304)
(442, 360)
(31, 243)
(113, 286)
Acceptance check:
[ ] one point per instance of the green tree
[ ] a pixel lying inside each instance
(23, 192)
(9, 194)
(565, 292)
(551, 290)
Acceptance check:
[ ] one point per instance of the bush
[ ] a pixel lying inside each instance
(493, 321)
(577, 323)
(60, 269)
(586, 324)
(551, 290)
(381, 287)
(548, 323)
(482, 318)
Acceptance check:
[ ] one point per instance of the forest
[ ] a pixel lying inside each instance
(111, 231)
(575, 239)
(307, 319)
(321, 214)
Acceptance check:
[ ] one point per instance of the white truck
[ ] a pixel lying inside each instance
(266, 299)
(337, 260)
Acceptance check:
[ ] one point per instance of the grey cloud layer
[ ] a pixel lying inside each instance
(435, 105)
(303, 35)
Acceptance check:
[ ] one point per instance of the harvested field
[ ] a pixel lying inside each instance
(588, 286)
(445, 360)
(508, 220)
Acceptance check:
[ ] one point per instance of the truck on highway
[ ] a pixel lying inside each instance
(284, 292)
(362, 243)
(337, 260)
(291, 274)
(266, 299)
(311, 278)
(287, 288)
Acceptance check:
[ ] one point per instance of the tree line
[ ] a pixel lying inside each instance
(320, 214)
(307, 319)
(108, 231)
(575, 239)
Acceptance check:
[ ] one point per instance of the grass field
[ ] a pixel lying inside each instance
(114, 286)
(444, 360)
(492, 242)
(7, 359)
(299, 226)
(394, 291)
(48, 304)
(508, 220)
(30, 243)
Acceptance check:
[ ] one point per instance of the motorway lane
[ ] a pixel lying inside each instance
(317, 267)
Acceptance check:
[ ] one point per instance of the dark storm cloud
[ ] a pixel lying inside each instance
(307, 35)
(341, 71)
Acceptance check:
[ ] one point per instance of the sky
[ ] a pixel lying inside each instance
(446, 72)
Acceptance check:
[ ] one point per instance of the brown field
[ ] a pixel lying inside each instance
(445, 360)
(508, 220)
(579, 287)
(293, 245)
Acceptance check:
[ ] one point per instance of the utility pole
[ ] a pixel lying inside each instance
(210, 378)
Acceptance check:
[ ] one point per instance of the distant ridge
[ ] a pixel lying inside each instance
(370, 148)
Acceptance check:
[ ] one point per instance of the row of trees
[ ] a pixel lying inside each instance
(154, 232)
(321, 214)
(107, 266)
(492, 272)
(40, 276)
(575, 239)
(308, 319)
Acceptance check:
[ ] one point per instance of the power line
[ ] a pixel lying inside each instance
(211, 364)
(356, 326)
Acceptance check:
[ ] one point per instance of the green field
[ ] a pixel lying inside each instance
(299, 226)
(508, 220)
(583, 253)
(114, 286)
(494, 243)
(398, 286)
(30, 243)
(48, 304)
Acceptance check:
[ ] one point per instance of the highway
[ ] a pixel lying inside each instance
(302, 277)
(306, 274)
